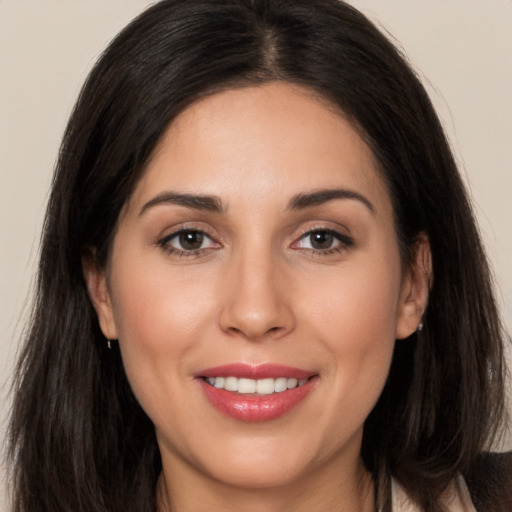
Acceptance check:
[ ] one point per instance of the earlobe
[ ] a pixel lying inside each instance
(416, 285)
(99, 294)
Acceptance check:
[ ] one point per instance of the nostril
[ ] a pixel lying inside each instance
(255, 317)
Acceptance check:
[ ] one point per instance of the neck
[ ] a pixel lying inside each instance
(325, 490)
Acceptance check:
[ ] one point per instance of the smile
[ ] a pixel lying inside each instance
(251, 386)
(256, 393)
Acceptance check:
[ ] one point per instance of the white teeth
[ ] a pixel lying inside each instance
(291, 383)
(219, 382)
(260, 386)
(265, 386)
(280, 385)
(231, 384)
(246, 385)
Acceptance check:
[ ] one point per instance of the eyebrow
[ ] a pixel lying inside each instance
(214, 203)
(197, 202)
(308, 200)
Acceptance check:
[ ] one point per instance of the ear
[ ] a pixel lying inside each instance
(416, 284)
(97, 286)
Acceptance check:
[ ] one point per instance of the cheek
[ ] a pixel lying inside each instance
(357, 305)
(161, 316)
(354, 316)
(157, 306)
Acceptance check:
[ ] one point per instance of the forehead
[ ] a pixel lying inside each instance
(263, 138)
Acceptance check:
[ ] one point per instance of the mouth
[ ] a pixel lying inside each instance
(256, 393)
(245, 386)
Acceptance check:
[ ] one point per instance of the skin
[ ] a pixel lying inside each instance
(259, 290)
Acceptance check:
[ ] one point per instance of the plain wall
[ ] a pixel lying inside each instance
(463, 47)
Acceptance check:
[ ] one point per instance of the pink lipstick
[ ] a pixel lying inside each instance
(256, 393)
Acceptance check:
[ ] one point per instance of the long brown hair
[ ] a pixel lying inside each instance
(79, 439)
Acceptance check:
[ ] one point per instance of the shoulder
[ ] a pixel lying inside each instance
(490, 482)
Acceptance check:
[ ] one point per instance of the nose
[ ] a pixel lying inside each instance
(256, 301)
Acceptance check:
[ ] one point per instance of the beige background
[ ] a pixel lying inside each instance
(464, 47)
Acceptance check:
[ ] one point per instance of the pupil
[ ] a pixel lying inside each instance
(191, 240)
(321, 240)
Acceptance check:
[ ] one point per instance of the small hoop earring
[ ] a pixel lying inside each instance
(109, 344)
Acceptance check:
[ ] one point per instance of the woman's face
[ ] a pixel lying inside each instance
(259, 245)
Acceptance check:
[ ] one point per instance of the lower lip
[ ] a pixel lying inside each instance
(256, 408)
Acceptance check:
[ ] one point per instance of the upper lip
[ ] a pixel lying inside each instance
(260, 371)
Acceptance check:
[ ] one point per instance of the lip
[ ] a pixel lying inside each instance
(260, 371)
(256, 408)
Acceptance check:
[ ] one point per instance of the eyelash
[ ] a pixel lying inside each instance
(345, 242)
(165, 243)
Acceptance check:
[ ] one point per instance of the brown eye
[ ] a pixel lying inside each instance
(191, 240)
(321, 240)
(187, 241)
(324, 241)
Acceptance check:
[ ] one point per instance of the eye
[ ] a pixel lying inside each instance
(187, 241)
(323, 240)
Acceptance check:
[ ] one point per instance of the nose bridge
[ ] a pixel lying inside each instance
(256, 304)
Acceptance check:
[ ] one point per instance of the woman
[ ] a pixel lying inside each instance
(248, 293)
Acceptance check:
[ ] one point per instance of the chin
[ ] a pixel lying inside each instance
(272, 462)
(259, 475)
